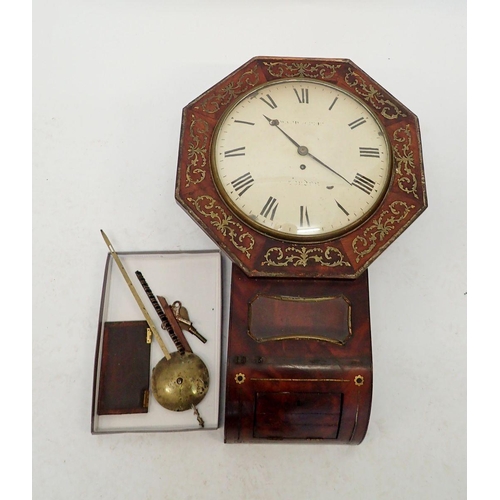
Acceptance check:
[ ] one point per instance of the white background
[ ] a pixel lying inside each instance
(110, 79)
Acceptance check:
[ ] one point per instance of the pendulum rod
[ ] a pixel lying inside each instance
(136, 297)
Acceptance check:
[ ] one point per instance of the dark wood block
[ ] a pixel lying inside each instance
(125, 368)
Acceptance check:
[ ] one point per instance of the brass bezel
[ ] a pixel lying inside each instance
(266, 231)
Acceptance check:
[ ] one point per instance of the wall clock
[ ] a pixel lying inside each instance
(302, 171)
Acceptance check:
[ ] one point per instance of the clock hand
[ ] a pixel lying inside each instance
(276, 123)
(302, 150)
(331, 169)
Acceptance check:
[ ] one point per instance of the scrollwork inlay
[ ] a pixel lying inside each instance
(403, 154)
(323, 71)
(223, 96)
(294, 256)
(380, 228)
(372, 95)
(197, 151)
(224, 223)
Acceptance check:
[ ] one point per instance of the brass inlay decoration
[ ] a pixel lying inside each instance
(359, 380)
(372, 95)
(403, 155)
(145, 399)
(279, 318)
(240, 378)
(197, 151)
(356, 417)
(299, 380)
(330, 257)
(222, 97)
(380, 228)
(301, 70)
(224, 223)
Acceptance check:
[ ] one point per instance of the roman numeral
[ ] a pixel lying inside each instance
(270, 207)
(244, 122)
(270, 102)
(369, 152)
(304, 217)
(303, 97)
(333, 103)
(357, 123)
(243, 183)
(363, 183)
(342, 208)
(235, 152)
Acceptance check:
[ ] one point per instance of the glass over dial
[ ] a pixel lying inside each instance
(301, 160)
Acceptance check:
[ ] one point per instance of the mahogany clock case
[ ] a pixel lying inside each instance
(259, 254)
(299, 362)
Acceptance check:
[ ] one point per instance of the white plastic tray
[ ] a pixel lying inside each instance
(194, 278)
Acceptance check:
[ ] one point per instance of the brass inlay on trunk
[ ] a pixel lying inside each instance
(283, 318)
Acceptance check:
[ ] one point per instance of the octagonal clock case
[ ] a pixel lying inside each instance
(302, 171)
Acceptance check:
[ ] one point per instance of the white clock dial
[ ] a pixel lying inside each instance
(301, 160)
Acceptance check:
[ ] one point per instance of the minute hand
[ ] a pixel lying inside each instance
(303, 150)
(326, 166)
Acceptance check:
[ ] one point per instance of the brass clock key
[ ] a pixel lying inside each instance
(182, 316)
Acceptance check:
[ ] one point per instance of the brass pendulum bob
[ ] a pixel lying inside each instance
(180, 382)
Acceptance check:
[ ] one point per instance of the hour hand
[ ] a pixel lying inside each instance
(272, 122)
